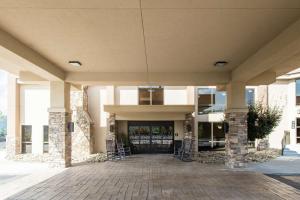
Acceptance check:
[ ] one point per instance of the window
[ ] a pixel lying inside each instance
(250, 96)
(298, 92)
(211, 135)
(157, 96)
(144, 96)
(151, 96)
(298, 131)
(128, 96)
(210, 100)
(46, 139)
(26, 139)
(175, 96)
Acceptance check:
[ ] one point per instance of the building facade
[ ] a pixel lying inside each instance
(150, 119)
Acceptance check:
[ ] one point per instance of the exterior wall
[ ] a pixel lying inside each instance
(34, 104)
(173, 95)
(282, 94)
(128, 95)
(98, 96)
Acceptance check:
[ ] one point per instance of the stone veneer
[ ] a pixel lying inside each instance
(60, 142)
(82, 137)
(112, 127)
(189, 129)
(236, 139)
(13, 145)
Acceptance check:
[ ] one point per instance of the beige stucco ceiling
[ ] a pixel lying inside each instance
(181, 35)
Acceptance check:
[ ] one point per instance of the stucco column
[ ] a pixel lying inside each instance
(13, 138)
(236, 116)
(60, 146)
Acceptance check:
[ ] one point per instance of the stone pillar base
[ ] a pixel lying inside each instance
(236, 139)
(59, 139)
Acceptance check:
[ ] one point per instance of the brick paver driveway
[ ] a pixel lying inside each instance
(157, 177)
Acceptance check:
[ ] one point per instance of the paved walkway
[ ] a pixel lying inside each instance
(283, 165)
(157, 177)
(16, 176)
(285, 169)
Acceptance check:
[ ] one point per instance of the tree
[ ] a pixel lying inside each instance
(262, 120)
(3, 126)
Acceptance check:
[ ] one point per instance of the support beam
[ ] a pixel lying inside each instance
(16, 52)
(60, 140)
(13, 138)
(163, 78)
(281, 54)
(264, 78)
(236, 116)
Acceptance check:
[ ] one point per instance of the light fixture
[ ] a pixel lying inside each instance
(75, 63)
(221, 63)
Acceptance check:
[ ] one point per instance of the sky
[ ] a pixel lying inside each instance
(3, 91)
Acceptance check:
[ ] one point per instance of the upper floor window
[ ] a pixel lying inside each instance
(298, 92)
(175, 96)
(151, 96)
(210, 100)
(250, 96)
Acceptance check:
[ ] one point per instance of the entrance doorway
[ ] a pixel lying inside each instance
(151, 136)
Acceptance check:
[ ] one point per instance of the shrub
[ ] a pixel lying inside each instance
(262, 120)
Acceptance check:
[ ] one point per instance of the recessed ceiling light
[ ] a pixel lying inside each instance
(221, 63)
(75, 63)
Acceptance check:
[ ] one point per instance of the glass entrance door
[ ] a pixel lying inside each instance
(151, 136)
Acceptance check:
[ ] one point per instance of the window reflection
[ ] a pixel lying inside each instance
(151, 96)
(298, 92)
(250, 96)
(211, 135)
(210, 100)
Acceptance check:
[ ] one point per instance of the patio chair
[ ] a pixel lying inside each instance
(185, 152)
(110, 150)
(121, 150)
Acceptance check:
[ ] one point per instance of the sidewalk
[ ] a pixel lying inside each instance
(284, 169)
(16, 176)
(282, 165)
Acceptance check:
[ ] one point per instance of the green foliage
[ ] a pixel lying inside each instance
(3, 121)
(262, 120)
(124, 138)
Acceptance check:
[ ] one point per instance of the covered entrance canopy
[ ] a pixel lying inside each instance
(149, 42)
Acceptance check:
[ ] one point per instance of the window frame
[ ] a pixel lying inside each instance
(23, 142)
(297, 103)
(45, 150)
(214, 143)
(150, 94)
(213, 105)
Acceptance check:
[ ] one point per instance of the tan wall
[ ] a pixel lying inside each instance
(99, 130)
(178, 129)
(113, 98)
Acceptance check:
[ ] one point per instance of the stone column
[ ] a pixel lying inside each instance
(112, 127)
(236, 116)
(189, 130)
(85, 99)
(13, 138)
(60, 146)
